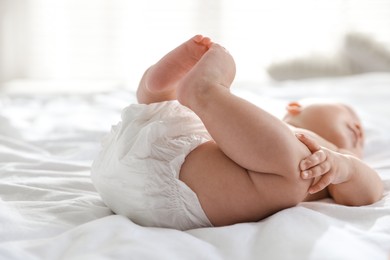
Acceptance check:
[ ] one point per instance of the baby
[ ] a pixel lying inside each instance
(192, 154)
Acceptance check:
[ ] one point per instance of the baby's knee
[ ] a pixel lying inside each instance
(298, 189)
(278, 192)
(297, 186)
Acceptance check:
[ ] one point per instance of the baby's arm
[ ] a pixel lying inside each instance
(349, 180)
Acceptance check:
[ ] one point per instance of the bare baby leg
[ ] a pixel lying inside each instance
(247, 134)
(250, 170)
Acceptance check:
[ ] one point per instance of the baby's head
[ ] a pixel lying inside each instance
(337, 123)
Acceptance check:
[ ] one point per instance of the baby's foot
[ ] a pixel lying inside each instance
(216, 68)
(164, 75)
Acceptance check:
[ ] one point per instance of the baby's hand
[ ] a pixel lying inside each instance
(329, 166)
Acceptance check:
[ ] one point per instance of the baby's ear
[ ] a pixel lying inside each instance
(294, 108)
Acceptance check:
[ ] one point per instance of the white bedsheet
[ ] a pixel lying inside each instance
(49, 208)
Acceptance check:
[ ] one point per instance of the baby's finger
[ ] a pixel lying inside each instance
(309, 142)
(312, 160)
(317, 170)
(321, 184)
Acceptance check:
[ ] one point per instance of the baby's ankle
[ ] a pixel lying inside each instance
(199, 95)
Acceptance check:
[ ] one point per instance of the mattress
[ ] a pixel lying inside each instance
(49, 208)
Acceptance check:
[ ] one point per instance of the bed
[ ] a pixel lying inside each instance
(49, 208)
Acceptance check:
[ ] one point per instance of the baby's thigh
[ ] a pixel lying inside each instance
(224, 188)
(229, 193)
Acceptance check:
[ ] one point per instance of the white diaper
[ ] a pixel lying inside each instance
(137, 171)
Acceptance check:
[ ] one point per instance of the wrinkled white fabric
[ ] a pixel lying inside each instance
(137, 171)
(50, 210)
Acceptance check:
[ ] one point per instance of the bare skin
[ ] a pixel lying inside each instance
(234, 176)
(335, 136)
(253, 167)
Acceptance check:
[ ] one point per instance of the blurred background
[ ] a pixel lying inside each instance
(77, 45)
